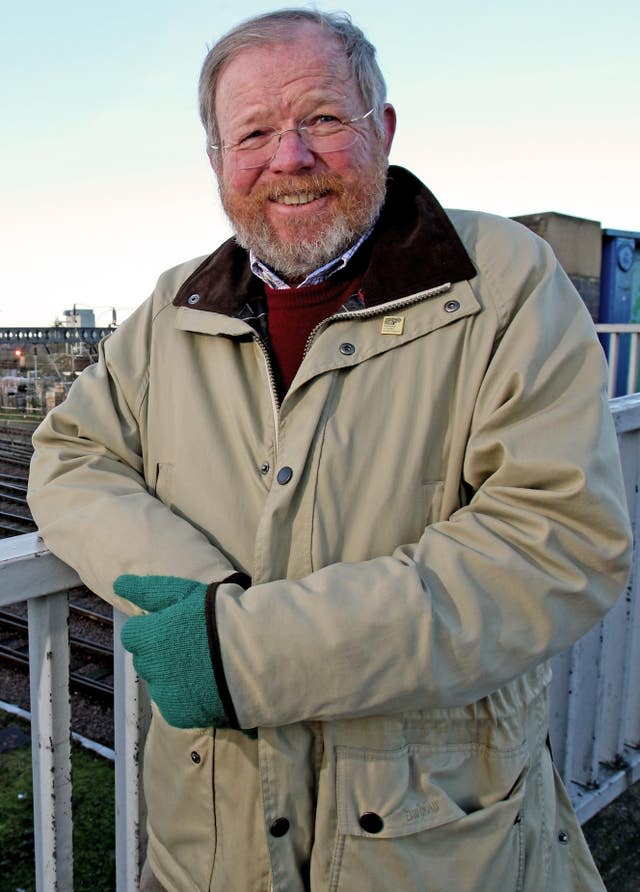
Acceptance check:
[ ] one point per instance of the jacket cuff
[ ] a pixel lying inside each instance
(214, 644)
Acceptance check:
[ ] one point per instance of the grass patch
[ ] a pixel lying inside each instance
(93, 819)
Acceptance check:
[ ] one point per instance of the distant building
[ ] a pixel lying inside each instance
(79, 318)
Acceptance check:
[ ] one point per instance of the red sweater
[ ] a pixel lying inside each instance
(292, 314)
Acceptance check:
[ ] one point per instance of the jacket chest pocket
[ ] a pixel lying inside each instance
(423, 817)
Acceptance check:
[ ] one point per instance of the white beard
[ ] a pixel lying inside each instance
(311, 244)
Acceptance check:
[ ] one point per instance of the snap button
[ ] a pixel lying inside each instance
(196, 758)
(279, 827)
(452, 306)
(371, 822)
(193, 299)
(563, 838)
(347, 349)
(264, 467)
(284, 475)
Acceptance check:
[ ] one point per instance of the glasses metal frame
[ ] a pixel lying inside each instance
(300, 130)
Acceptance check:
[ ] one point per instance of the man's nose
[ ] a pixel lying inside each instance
(292, 153)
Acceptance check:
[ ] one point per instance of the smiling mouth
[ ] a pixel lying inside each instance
(299, 198)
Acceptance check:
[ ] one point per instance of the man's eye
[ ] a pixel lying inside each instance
(256, 136)
(320, 120)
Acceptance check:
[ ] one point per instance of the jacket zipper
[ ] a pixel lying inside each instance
(367, 312)
(273, 390)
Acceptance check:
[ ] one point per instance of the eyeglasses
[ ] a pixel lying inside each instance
(321, 134)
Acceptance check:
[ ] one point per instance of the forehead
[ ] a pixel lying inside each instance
(278, 78)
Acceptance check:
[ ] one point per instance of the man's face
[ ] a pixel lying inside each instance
(302, 208)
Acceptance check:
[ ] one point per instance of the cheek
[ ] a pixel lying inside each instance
(239, 182)
(350, 163)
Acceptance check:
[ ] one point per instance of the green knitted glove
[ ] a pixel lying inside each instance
(171, 650)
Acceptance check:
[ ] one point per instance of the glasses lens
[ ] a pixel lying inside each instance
(322, 137)
(333, 139)
(256, 151)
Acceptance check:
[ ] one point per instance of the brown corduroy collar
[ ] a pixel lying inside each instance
(413, 247)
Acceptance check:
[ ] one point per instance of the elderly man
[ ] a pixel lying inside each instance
(355, 474)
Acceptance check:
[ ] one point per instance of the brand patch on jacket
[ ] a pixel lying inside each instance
(428, 807)
(392, 325)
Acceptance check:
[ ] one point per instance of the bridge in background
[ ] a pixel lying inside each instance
(54, 334)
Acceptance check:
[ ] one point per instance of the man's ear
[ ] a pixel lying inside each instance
(388, 126)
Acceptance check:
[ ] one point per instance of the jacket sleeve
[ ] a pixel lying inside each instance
(89, 488)
(537, 556)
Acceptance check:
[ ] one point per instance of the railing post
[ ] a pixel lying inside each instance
(51, 742)
(612, 359)
(562, 708)
(131, 717)
(632, 372)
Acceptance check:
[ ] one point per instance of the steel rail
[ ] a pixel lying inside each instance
(81, 682)
(12, 487)
(12, 621)
(19, 522)
(11, 496)
(93, 615)
(17, 529)
(17, 657)
(11, 458)
(21, 482)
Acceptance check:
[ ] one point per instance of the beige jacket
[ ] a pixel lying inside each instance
(434, 510)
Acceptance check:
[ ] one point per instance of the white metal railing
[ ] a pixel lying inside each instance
(28, 572)
(595, 704)
(595, 696)
(615, 332)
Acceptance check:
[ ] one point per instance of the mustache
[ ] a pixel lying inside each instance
(318, 184)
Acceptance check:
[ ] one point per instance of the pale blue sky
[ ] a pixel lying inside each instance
(510, 107)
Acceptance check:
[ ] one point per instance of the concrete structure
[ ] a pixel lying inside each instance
(577, 243)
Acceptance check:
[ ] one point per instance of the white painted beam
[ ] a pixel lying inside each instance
(131, 718)
(51, 742)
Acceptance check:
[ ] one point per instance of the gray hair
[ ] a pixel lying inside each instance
(275, 27)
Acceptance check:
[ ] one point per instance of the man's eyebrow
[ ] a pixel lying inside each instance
(308, 104)
(250, 116)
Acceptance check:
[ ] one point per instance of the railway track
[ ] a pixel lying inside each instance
(16, 524)
(14, 482)
(91, 632)
(90, 620)
(15, 455)
(15, 517)
(91, 652)
(20, 458)
(15, 447)
(13, 492)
